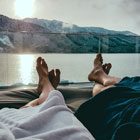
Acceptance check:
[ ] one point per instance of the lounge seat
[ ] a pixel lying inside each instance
(15, 97)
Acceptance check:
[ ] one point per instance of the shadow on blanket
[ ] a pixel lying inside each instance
(16, 97)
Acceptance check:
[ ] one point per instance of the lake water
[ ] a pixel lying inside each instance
(20, 68)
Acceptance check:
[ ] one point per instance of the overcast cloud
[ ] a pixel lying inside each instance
(110, 14)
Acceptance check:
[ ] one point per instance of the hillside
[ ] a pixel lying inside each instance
(8, 24)
(62, 27)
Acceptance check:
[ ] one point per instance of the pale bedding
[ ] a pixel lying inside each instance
(51, 120)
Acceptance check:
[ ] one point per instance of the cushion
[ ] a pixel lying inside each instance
(16, 97)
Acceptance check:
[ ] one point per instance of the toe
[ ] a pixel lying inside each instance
(98, 59)
(51, 76)
(101, 59)
(57, 76)
(38, 61)
(57, 73)
(38, 64)
(51, 72)
(44, 64)
(98, 55)
(109, 65)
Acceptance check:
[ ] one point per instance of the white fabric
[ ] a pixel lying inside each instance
(51, 120)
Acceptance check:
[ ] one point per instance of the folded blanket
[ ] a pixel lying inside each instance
(51, 120)
(5, 134)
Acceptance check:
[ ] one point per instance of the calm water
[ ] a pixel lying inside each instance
(15, 68)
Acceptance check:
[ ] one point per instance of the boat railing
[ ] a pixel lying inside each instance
(50, 42)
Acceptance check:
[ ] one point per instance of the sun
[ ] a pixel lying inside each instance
(24, 8)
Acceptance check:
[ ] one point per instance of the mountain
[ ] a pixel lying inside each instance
(9, 28)
(44, 36)
(8, 24)
(61, 27)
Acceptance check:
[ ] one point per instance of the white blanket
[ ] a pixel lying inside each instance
(51, 120)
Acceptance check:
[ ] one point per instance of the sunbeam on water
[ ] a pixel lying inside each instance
(21, 68)
(26, 68)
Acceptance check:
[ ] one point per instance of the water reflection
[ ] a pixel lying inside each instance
(26, 63)
(17, 68)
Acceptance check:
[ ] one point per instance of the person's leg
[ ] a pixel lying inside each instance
(94, 112)
(48, 81)
(98, 74)
(97, 87)
(44, 81)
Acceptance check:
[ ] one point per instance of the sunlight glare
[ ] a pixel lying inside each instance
(26, 68)
(24, 8)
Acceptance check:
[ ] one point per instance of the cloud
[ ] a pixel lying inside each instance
(131, 9)
(7, 8)
(110, 14)
(132, 6)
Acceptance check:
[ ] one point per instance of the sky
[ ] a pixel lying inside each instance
(120, 15)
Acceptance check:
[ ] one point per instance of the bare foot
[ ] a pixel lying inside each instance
(97, 73)
(106, 68)
(54, 78)
(43, 74)
(44, 85)
(97, 87)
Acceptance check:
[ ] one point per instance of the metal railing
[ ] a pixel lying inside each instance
(42, 42)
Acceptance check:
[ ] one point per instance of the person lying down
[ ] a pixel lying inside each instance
(46, 118)
(111, 114)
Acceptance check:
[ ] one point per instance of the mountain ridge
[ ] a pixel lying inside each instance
(44, 36)
(62, 27)
(14, 25)
(55, 26)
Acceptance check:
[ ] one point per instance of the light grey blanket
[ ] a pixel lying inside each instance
(51, 120)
